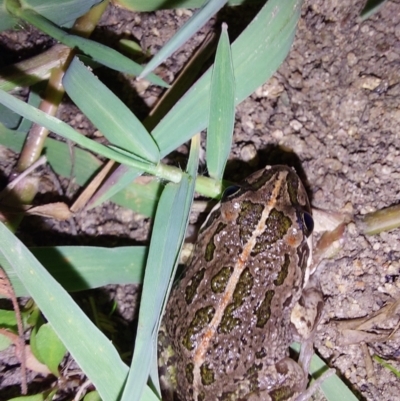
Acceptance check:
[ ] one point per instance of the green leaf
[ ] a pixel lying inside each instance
(371, 7)
(5, 342)
(168, 234)
(152, 5)
(63, 129)
(9, 118)
(89, 347)
(222, 109)
(79, 268)
(116, 122)
(8, 319)
(50, 348)
(118, 180)
(62, 13)
(100, 53)
(36, 397)
(92, 396)
(81, 166)
(197, 21)
(333, 388)
(256, 55)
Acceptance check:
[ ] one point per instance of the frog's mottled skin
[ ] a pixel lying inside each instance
(227, 325)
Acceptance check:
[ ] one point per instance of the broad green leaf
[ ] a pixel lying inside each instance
(197, 21)
(222, 109)
(100, 53)
(89, 347)
(115, 121)
(79, 268)
(256, 55)
(50, 348)
(168, 234)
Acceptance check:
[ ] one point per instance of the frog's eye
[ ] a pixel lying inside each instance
(230, 191)
(308, 223)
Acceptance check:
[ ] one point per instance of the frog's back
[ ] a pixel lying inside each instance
(230, 314)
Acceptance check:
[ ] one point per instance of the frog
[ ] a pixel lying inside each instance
(243, 298)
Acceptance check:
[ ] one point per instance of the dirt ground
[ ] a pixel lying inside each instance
(335, 103)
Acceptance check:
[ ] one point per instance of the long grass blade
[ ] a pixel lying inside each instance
(100, 53)
(333, 388)
(152, 5)
(256, 54)
(115, 121)
(79, 268)
(90, 348)
(63, 129)
(63, 13)
(168, 233)
(222, 109)
(197, 21)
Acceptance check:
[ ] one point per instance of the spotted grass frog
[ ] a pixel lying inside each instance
(229, 321)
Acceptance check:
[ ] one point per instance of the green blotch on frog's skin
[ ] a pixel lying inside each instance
(264, 311)
(243, 287)
(252, 375)
(242, 290)
(210, 248)
(278, 225)
(292, 182)
(249, 216)
(191, 289)
(228, 321)
(281, 394)
(189, 373)
(283, 272)
(220, 280)
(202, 317)
(207, 374)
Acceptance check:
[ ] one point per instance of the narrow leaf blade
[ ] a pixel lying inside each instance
(197, 21)
(87, 344)
(260, 49)
(116, 122)
(222, 109)
(79, 268)
(168, 233)
(100, 53)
